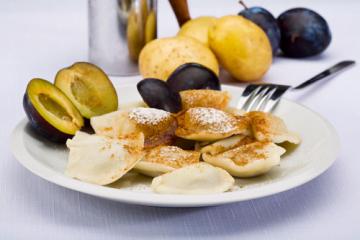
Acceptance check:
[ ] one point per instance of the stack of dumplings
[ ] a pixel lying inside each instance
(224, 143)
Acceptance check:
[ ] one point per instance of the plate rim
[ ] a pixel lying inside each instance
(22, 155)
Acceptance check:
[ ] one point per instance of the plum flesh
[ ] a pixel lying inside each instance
(89, 89)
(50, 112)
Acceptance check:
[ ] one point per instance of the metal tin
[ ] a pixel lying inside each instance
(118, 30)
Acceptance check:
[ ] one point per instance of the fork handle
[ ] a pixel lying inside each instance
(328, 72)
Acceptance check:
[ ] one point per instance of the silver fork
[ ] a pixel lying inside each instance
(264, 97)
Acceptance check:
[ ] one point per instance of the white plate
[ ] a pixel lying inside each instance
(316, 153)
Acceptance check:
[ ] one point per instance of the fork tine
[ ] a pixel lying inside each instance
(249, 92)
(264, 101)
(249, 89)
(275, 97)
(257, 98)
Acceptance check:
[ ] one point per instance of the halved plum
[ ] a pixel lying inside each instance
(50, 112)
(88, 88)
(193, 76)
(157, 94)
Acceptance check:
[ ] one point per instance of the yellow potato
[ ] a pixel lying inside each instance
(198, 29)
(160, 57)
(241, 47)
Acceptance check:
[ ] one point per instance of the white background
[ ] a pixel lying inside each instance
(39, 37)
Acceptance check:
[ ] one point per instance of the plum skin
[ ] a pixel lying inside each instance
(40, 125)
(157, 94)
(304, 33)
(267, 22)
(193, 76)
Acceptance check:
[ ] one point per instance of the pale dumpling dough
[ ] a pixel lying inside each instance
(163, 159)
(115, 124)
(247, 160)
(200, 178)
(102, 160)
(209, 124)
(267, 127)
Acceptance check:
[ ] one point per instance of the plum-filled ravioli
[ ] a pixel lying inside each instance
(102, 160)
(210, 124)
(204, 98)
(267, 127)
(199, 178)
(158, 126)
(226, 144)
(248, 160)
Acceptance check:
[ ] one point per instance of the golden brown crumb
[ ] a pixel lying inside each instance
(204, 98)
(246, 153)
(158, 128)
(206, 124)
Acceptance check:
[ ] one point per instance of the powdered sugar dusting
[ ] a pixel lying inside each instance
(216, 120)
(148, 115)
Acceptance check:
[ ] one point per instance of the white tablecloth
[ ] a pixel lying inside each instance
(39, 37)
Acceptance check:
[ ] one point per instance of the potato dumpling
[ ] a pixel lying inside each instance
(198, 28)
(160, 57)
(241, 47)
